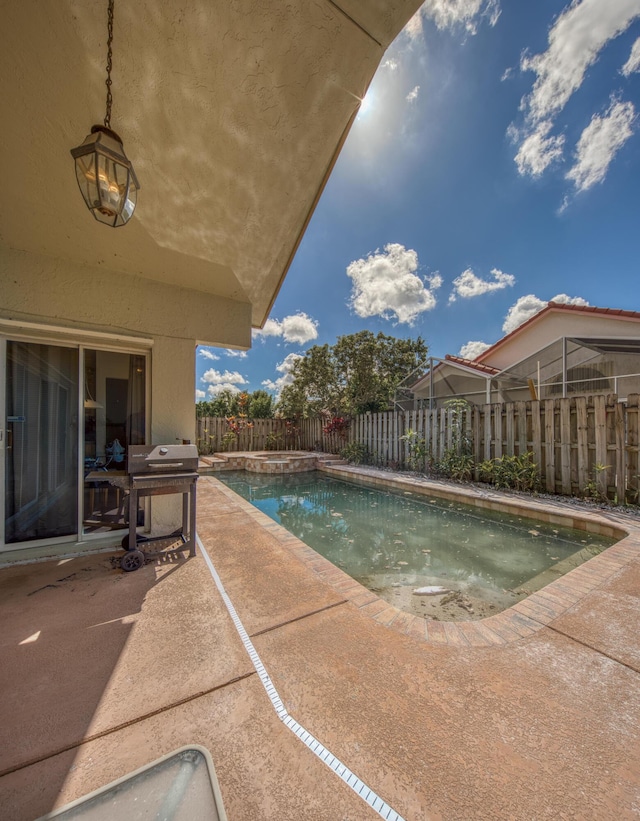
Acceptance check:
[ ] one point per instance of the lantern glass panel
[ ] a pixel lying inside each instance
(86, 176)
(105, 176)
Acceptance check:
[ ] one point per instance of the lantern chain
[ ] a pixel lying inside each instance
(107, 118)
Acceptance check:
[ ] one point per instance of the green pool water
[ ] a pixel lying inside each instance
(397, 543)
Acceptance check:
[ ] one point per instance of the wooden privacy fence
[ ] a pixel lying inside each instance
(575, 441)
(265, 434)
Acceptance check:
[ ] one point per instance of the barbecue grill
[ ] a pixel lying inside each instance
(158, 470)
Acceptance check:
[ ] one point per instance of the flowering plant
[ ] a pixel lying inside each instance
(337, 424)
(236, 424)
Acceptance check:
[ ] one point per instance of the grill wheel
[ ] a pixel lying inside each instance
(132, 560)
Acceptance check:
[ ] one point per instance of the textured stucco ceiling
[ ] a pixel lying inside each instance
(232, 112)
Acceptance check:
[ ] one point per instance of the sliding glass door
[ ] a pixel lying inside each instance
(41, 442)
(70, 414)
(114, 418)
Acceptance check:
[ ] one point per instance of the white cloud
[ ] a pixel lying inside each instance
(633, 63)
(414, 27)
(413, 94)
(208, 354)
(391, 64)
(599, 143)
(214, 377)
(473, 349)
(575, 40)
(271, 328)
(447, 14)
(200, 394)
(286, 369)
(528, 306)
(563, 299)
(537, 151)
(298, 328)
(385, 284)
(434, 280)
(236, 354)
(468, 285)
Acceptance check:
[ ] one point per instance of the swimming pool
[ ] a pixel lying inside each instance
(430, 557)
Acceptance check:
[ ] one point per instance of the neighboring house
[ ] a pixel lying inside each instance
(233, 115)
(564, 350)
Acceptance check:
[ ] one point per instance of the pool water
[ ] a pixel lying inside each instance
(395, 543)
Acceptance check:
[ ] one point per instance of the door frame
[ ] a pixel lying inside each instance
(11, 330)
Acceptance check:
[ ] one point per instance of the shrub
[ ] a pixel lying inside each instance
(273, 441)
(457, 409)
(208, 444)
(455, 465)
(592, 488)
(511, 472)
(417, 448)
(337, 424)
(356, 453)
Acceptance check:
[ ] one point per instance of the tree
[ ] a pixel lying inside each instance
(261, 405)
(314, 387)
(258, 405)
(357, 374)
(223, 404)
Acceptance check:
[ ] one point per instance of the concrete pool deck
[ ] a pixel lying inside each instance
(103, 672)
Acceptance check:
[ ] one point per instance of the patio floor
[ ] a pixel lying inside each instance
(103, 672)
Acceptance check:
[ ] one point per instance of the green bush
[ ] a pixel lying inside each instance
(511, 472)
(273, 441)
(417, 449)
(455, 465)
(355, 452)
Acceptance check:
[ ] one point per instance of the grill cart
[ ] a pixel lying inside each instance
(158, 470)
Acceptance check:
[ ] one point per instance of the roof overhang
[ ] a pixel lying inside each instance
(232, 113)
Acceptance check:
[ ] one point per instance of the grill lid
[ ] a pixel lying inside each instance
(162, 458)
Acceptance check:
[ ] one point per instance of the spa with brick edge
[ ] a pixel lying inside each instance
(523, 619)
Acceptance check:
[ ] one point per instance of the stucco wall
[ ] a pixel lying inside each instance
(41, 290)
(37, 288)
(553, 326)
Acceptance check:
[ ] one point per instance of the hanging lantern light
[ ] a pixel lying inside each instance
(106, 177)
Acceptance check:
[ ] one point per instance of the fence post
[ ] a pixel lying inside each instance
(583, 442)
(600, 412)
(497, 420)
(565, 445)
(486, 410)
(536, 434)
(521, 423)
(511, 443)
(477, 433)
(434, 433)
(633, 430)
(549, 446)
(620, 453)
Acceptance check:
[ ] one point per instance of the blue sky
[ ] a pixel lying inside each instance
(494, 165)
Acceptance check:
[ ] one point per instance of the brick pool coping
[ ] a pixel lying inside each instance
(520, 620)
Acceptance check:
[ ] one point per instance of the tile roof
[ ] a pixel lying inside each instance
(470, 363)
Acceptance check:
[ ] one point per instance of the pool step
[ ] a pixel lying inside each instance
(212, 461)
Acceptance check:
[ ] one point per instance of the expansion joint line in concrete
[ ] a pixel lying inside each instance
(591, 647)
(299, 618)
(318, 749)
(111, 730)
